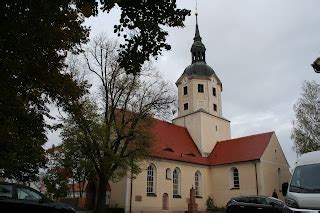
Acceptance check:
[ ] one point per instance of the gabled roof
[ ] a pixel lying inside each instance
(240, 149)
(175, 143)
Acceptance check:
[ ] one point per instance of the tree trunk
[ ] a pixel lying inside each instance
(101, 201)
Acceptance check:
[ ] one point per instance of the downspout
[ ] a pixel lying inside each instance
(255, 169)
(131, 178)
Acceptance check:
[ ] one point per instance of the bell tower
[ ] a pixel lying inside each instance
(199, 100)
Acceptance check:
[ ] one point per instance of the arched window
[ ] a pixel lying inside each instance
(176, 183)
(151, 179)
(197, 183)
(168, 174)
(235, 178)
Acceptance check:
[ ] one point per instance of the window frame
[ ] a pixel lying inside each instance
(200, 88)
(185, 90)
(22, 188)
(214, 91)
(198, 184)
(186, 106)
(215, 107)
(151, 180)
(12, 190)
(235, 178)
(168, 174)
(176, 183)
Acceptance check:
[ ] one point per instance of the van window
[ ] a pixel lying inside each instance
(306, 179)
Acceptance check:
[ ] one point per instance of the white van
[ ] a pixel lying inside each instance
(303, 192)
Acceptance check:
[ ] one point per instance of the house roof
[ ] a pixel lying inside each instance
(240, 149)
(175, 143)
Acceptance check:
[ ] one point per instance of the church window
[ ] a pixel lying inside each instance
(185, 90)
(215, 107)
(235, 177)
(197, 183)
(185, 106)
(214, 91)
(168, 174)
(151, 180)
(200, 88)
(176, 183)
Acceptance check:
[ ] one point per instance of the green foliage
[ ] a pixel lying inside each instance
(56, 176)
(306, 126)
(142, 27)
(35, 36)
(35, 39)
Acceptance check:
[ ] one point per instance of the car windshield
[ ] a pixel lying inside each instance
(306, 179)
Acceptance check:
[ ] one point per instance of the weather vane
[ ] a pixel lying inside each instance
(196, 13)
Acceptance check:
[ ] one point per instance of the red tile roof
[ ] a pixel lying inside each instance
(240, 149)
(175, 143)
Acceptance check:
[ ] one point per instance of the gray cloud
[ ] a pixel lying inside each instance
(261, 51)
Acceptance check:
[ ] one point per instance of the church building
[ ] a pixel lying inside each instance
(196, 151)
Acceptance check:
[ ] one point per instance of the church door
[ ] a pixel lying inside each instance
(165, 201)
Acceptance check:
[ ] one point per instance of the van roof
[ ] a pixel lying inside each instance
(309, 158)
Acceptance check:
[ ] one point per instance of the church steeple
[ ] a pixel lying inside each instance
(198, 50)
(197, 34)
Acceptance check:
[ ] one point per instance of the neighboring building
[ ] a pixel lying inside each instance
(196, 150)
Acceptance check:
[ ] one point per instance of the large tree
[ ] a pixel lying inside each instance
(113, 131)
(35, 37)
(306, 126)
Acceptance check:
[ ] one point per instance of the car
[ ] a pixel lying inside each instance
(247, 204)
(19, 198)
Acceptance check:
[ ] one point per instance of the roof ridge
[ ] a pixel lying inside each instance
(247, 136)
(156, 119)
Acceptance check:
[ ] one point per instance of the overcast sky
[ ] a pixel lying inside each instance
(260, 49)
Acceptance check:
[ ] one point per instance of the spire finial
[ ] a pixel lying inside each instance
(197, 34)
(196, 13)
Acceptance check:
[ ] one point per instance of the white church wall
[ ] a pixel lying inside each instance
(275, 168)
(213, 129)
(222, 182)
(142, 202)
(205, 130)
(118, 193)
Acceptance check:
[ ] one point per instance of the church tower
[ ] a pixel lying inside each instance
(199, 100)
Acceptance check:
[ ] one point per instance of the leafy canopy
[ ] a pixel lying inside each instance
(141, 26)
(35, 36)
(306, 126)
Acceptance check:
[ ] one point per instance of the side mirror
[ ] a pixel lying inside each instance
(285, 188)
